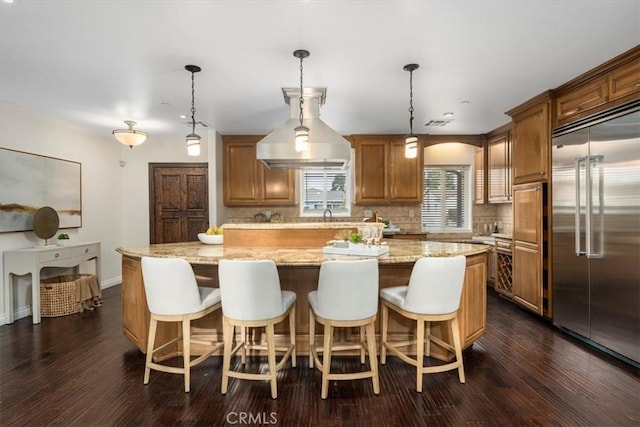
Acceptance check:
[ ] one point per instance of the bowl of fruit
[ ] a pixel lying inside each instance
(213, 236)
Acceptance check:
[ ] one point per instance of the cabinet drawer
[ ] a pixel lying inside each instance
(68, 252)
(504, 246)
(582, 99)
(625, 80)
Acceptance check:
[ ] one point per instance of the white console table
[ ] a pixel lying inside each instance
(32, 260)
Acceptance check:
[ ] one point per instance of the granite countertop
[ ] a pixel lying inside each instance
(399, 252)
(292, 225)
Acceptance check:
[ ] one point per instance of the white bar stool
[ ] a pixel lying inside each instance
(251, 297)
(347, 296)
(173, 295)
(433, 295)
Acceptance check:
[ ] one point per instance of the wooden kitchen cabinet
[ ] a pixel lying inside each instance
(531, 142)
(247, 182)
(499, 167)
(530, 247)
(480, 174)
(383, 175)
(473, 306)
(613, 83)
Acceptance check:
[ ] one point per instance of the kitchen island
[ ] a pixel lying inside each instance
(298, 269)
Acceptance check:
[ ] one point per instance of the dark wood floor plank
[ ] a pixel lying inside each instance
(80, 370)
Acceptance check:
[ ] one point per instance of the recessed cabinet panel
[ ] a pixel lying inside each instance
(405, 175)
(582, 99)
(372, 157)
(479, 185)
(527, 214)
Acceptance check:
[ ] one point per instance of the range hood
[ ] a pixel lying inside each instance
(327, 149)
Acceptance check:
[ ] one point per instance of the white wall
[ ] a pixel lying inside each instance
(101, 200)
(115, 186)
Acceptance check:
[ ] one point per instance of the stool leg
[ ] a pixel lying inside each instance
(427, 343)
(153, 326)
(383, 338)
(455, 330)
(271, 356)
(227, 336)
(243, 338)
(312, 336)
(186, 353)
(373, 360)
(326, 359)
(362, 344)
(292, 335)
(420, 353)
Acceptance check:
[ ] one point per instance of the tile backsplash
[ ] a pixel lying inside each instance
(399, 214)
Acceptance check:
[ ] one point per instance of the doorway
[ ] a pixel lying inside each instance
(178, 201)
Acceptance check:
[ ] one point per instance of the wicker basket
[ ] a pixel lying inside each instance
(59, 296)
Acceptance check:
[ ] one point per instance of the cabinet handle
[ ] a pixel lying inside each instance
(638, 85)
(577, 110)
(86, 251)
(56, 255)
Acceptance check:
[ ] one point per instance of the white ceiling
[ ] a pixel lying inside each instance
(98, 63)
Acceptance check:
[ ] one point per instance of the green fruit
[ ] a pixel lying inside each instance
(355, 237)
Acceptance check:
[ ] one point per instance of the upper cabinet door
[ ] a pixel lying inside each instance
(278, 186)
(240, 173)
(499, 160)
(372, 159)
(531, 140)
(405, 175)
(479, 182)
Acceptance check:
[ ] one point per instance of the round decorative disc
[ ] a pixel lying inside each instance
(45, 222)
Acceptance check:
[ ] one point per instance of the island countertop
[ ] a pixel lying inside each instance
(405, 251)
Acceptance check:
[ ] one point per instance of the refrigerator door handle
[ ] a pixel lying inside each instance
(578, 243)
(592, 163)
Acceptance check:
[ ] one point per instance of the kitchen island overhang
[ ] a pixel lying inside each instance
(298, 269)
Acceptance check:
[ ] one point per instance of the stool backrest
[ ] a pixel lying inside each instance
(250, 289)
(348, 290)
(435, 286)
(170, 285)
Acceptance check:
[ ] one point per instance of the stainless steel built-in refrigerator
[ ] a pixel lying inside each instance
(596, 230)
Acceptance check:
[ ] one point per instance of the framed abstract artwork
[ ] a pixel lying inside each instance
(30, 181)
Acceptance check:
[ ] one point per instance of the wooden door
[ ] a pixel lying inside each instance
(179, 201)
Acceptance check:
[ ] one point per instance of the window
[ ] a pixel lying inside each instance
(446, 205)
(325, 189)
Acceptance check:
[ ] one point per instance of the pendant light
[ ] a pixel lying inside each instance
(193, 139)
(302, 132)
(130, 137)
(411, 140)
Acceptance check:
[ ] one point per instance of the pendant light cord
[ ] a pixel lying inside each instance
(193, 108)
(411, 102)
(301, 99)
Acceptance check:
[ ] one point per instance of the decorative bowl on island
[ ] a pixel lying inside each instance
(211, 239)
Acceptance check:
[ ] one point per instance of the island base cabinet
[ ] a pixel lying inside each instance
(302, 280)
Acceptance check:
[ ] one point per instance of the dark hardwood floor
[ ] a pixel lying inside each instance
(81, 371)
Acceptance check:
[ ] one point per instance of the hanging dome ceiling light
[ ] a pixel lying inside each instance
(411, 140)
(302, 132)
(130, 137)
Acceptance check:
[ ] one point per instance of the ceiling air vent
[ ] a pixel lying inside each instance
(438, 122)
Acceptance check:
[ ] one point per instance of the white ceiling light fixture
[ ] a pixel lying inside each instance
(411, 140)
(130, 137)
(301, 132)
(193, 139)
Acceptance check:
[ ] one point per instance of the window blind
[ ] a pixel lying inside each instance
(325, 190)
(446, 203)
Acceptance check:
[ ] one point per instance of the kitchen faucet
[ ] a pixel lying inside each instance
(324, 215)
